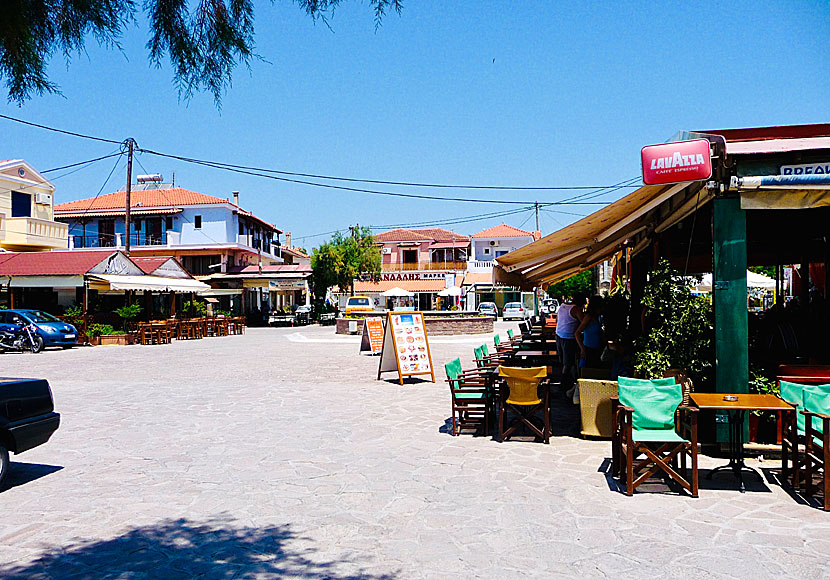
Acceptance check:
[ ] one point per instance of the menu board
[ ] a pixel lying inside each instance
(405, 346)
(372, 335)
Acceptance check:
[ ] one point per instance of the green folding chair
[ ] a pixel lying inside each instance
(648, 438)
(816, 403)
(792, 437)
(469, 399)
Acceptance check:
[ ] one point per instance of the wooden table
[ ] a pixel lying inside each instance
(737, 411)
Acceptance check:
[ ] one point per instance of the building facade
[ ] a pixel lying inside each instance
(26, 210)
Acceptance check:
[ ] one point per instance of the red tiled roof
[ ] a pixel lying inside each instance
(172, 197)
(67, 263)
(296, 251)
(270, 268)
(425, 235)
(504, 231)
(149, 264)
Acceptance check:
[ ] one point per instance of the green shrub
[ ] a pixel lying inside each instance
(101, 329)
(195, 308)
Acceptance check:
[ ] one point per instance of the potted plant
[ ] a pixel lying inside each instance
(97, 332)
(763, 427)
(678, 330)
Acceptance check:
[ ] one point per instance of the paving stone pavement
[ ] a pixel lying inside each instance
(278, 455)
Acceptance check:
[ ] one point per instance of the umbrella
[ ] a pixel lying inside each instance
(398, 292)
(753, 280)
(451, 291)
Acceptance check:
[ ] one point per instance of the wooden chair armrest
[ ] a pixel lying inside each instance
(812, 414)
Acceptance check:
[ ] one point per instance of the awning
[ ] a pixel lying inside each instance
(215, 292)
(783, 191)
(448, 245)
(600, 235)
(151, 283)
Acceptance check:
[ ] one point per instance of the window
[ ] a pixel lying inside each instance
(21, 204)
(137, 225)
(168, 223)
(486, 251)
(241, 228)
(410, 256)
(197, 222)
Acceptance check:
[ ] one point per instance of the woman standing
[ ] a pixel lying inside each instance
(588, 334)
(568, 319)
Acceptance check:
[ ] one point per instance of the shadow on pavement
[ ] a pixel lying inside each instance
(23, 473)
(173, 549)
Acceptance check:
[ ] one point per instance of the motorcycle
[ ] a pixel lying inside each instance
(21, 338)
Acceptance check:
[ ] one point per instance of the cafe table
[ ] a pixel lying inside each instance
(736, 406)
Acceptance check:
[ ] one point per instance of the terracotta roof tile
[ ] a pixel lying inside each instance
(504, 231)
(425, 235)
(172, 197)
(149, 264)
(67, 263)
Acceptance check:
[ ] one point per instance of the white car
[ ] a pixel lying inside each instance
(488, 308)
(515, 310)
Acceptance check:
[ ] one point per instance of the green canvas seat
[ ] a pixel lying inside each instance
(469, 398)
(816, 409)
(645, 426)
(793, 393)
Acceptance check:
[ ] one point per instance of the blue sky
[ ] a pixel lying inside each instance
(493, 93)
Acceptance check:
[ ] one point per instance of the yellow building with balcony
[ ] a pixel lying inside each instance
(26, 210)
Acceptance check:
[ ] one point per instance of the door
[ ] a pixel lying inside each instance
(21, 204)
(106, 233)
(152, 231)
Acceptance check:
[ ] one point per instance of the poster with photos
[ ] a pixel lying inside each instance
(406, 346)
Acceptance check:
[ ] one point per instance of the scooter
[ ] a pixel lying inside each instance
(23, 337)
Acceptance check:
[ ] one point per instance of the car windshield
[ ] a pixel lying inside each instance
(358, 302)
(40, 316)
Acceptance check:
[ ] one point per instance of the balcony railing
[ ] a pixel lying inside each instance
(423, 266)
(110, 240)
(35, 232)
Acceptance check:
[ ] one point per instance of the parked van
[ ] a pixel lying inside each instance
(358, 304)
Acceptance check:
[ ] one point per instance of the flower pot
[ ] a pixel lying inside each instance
(115, 339)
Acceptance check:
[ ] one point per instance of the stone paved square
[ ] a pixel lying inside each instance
(277, 454)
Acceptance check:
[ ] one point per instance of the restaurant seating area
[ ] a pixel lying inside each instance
(164, 331)
(652, 424)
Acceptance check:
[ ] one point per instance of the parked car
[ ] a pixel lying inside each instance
(302, 315)
(27, 417)
(51, 329)
(549, 306)
(358, 304)
(488, 308)
(515, 310)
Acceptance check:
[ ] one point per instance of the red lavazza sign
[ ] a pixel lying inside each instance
(676, 162)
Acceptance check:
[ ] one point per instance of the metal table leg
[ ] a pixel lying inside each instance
(736, 449)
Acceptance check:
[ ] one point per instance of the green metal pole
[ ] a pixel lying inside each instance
(729, 299)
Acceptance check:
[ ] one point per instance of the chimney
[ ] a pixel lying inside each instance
(235, 198)
(288, 239)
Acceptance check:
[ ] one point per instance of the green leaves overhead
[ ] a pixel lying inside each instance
(204, 41)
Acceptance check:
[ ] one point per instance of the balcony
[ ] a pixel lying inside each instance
(425, 266)
(111, 241)
(480, 266)
(28, 233)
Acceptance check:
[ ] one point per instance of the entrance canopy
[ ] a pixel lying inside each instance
(451, 291)
(581, 245)
(150, 283)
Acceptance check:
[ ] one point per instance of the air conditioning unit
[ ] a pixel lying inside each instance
(44, 198)
(494, 242)
(385, 251)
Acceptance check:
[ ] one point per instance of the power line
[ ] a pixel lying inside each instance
(264, 172)
(89, 162)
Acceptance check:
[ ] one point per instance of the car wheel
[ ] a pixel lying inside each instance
(4, 464)
(38, 344)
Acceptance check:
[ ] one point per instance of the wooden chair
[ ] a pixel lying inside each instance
(816, 404)
(527, 393)
(645, 425)
(469, 399)
(503, 348)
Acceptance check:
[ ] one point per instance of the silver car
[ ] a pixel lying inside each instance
(488, 308)
(515, 310)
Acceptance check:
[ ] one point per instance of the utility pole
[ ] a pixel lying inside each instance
(537, 216)
(130, 143)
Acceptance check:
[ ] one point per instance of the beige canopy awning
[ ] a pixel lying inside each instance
(600, 235)
(151, 283)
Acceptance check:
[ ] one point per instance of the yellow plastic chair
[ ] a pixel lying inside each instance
(525, 400)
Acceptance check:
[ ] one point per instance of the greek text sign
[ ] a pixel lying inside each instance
(676, 162)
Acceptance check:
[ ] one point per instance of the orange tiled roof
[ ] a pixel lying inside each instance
(172, 197)
(422, 234)
(504, 231)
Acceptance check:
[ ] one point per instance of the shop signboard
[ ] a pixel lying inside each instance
(405, 346)
(676, 162)
(372, 339)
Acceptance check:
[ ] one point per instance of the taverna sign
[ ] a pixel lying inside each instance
(676, 162)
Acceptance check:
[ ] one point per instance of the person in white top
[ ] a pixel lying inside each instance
(568, 318)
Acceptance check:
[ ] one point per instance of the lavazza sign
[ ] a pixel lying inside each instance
(676, 162)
